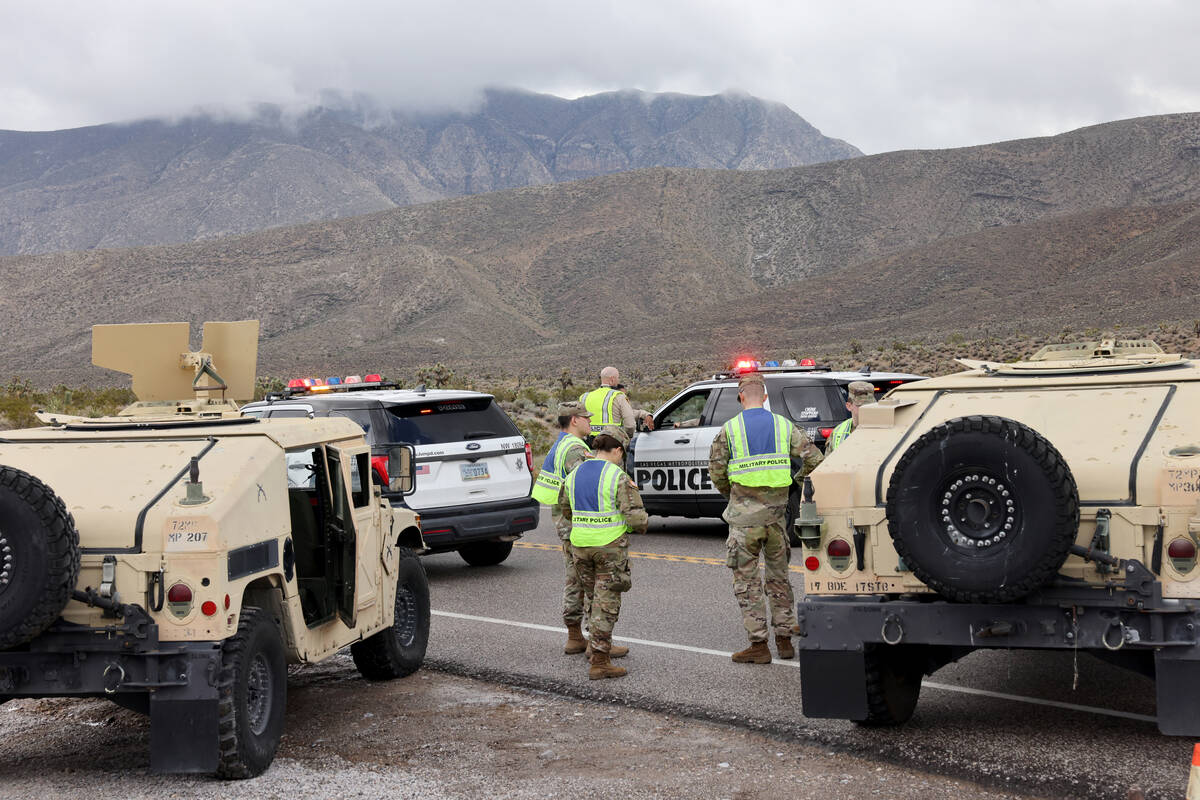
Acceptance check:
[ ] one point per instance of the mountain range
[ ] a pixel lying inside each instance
(1095, 227)
(205, 176)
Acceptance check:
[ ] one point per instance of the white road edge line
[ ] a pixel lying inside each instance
(945, 687)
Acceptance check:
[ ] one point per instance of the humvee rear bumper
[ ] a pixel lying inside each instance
(175, 683)
(834, 631)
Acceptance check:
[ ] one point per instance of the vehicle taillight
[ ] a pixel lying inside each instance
(208, 608)
(379, 464)
(812, 563)
(529, 456)
(179, 600)
(1182, 553)
(838, 551)
(825, 432)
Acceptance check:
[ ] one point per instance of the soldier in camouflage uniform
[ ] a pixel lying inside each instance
(861, 393)
(602, 505)
(760, 444)
(567, 453)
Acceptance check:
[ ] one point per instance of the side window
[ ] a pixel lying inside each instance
(337, 485)
(280, 413)
(686, 408)
(727, 407)
(360, 416)
(300, 473)
(360, 490)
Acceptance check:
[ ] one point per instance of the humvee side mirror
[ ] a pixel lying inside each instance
(401, 477)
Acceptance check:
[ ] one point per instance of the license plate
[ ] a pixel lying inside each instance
(474, 472)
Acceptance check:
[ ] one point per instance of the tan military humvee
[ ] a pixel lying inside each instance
(1048, 504)
(177, 557)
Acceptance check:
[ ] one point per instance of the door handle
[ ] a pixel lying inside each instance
(683, 441)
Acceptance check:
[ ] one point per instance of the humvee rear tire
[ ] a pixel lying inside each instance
(894, 676)
(399, 650)
(485, 554)
(983, 509)
(252, 696)
(39, 557)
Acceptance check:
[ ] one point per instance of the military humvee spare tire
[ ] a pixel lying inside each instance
(39, 557)
(983, 509)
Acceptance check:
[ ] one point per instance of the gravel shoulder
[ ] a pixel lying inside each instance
(435, 735)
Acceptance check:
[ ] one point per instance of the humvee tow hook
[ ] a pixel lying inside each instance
(808, 523)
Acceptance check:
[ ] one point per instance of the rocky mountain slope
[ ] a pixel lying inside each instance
(154, 182)
(1095, 227)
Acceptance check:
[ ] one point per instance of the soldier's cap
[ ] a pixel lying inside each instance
(616, 433)
(751, 377)
(861, 393)
(573, 408)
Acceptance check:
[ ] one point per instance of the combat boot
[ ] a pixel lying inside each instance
(756, 653)
(784, 645)
(614, 651)
(575, 641)
(601, 667)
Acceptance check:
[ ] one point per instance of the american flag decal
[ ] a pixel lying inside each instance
(422, 469)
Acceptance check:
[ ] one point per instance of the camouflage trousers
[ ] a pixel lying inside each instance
(744, 545)
(604, 574)
(574, 600)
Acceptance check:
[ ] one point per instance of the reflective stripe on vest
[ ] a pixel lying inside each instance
(839, 435)
(759, 448)
(602, 403)
(595, 518)
(553, 473)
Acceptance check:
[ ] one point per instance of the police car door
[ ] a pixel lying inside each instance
(666, 465)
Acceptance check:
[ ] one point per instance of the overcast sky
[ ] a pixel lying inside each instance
(881, 75)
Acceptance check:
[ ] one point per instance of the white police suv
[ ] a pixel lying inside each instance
(473, 468)
(670, 464)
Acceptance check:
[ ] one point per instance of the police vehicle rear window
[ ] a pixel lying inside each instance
(439, 422)
(809, 404)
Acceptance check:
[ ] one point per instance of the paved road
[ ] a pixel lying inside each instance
(1007, 718)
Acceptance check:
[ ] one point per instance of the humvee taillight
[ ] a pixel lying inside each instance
(208, 608)
(838, 551)
(813, 563)
(179, 600)
(1182, 553)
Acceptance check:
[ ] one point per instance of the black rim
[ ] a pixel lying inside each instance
(977, 510)
(259, 688)
(7, 567)
(407, 616)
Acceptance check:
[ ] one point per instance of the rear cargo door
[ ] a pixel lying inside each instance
(468, 452)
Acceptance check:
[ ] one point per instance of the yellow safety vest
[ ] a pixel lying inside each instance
(554, 469)
(759, 448)
(602, 403)
(596, 519)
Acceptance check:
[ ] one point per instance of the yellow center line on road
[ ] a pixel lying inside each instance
(719, 562)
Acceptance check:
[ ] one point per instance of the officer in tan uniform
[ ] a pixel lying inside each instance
(750, 462)
(861, 393)
(610, 407)
(602, 505)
